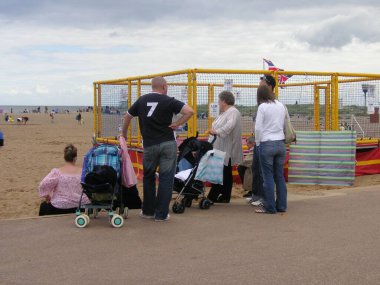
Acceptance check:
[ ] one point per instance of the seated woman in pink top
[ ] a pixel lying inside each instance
(61, 188)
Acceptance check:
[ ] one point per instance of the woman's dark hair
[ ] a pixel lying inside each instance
(70, 153)
(227, 97)
(264, 95)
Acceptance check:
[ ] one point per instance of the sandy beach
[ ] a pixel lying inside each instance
(32, 150)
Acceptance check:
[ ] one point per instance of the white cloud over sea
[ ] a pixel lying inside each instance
(52, 51)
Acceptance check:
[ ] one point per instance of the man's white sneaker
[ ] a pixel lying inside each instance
(257, 203)
(163, 220)
(249, 200)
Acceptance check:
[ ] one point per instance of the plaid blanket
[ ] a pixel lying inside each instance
(104, 154)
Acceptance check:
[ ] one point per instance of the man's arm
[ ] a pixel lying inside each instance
(127, 120)
(187, 112)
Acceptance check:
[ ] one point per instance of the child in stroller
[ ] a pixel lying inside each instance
(102, 185)
(191, 150)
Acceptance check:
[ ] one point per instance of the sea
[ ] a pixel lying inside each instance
(18, 109)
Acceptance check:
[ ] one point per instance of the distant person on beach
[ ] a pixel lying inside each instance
(52, 116)
(155, 112)
(61, 188)
(22, 120)
(79, 118)
(46, 109)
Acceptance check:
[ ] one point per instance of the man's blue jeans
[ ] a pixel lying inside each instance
(163, 155)
(272, 160)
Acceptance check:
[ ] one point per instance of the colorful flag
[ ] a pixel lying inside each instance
(281, 78)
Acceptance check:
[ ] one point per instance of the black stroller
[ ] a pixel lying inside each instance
(187, 189)
(102, 185)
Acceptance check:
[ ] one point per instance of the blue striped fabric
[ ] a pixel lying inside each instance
(324, 158)
(105, 154)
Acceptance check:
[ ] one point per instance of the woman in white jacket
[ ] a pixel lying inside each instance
(269, 137)
(227, 128)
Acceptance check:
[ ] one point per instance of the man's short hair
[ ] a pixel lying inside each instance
(269, 79)
(227, 97)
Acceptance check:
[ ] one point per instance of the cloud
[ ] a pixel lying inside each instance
(95, 14)
(40, 89)
(62, 47)
(341, 30)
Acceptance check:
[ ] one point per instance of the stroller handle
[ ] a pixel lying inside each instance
(213, 140)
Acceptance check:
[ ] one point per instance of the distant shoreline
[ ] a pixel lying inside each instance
(17, 109)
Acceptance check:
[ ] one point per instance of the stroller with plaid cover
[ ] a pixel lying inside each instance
(101, 182)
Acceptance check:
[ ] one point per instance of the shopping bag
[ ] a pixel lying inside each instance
(210, 168)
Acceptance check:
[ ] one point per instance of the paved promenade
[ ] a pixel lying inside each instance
(325, 238)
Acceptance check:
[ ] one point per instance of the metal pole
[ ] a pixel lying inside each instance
(316, 109)
(129, 106)
(138, 125)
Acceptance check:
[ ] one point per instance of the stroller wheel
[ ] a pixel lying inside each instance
(117, 221)
(187, 201)
(178, 208)
(87, 218)
(82, 221)
(204, 204)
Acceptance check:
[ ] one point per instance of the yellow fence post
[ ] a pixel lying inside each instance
(210, 100)
(137, 122)
(94, 111)
(275, 75)
(336, 126)
(129, 106)
(328, 108)
(335, 103)
(190, 124)
(316, 109)
(195, 117)
(99, 121)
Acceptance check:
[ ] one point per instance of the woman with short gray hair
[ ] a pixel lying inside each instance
(227, 128)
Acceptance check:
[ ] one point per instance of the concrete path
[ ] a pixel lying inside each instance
(331, 239)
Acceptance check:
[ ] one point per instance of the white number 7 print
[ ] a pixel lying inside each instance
(152, 106)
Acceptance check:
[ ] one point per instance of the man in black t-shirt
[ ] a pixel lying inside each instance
(155, 112)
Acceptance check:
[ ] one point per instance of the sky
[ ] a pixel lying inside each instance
(52, 51)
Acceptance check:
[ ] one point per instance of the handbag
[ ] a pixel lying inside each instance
(289, 131)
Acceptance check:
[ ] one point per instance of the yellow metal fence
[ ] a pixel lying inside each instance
(316, 100)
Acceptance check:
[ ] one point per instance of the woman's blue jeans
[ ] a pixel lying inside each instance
(272, 160)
